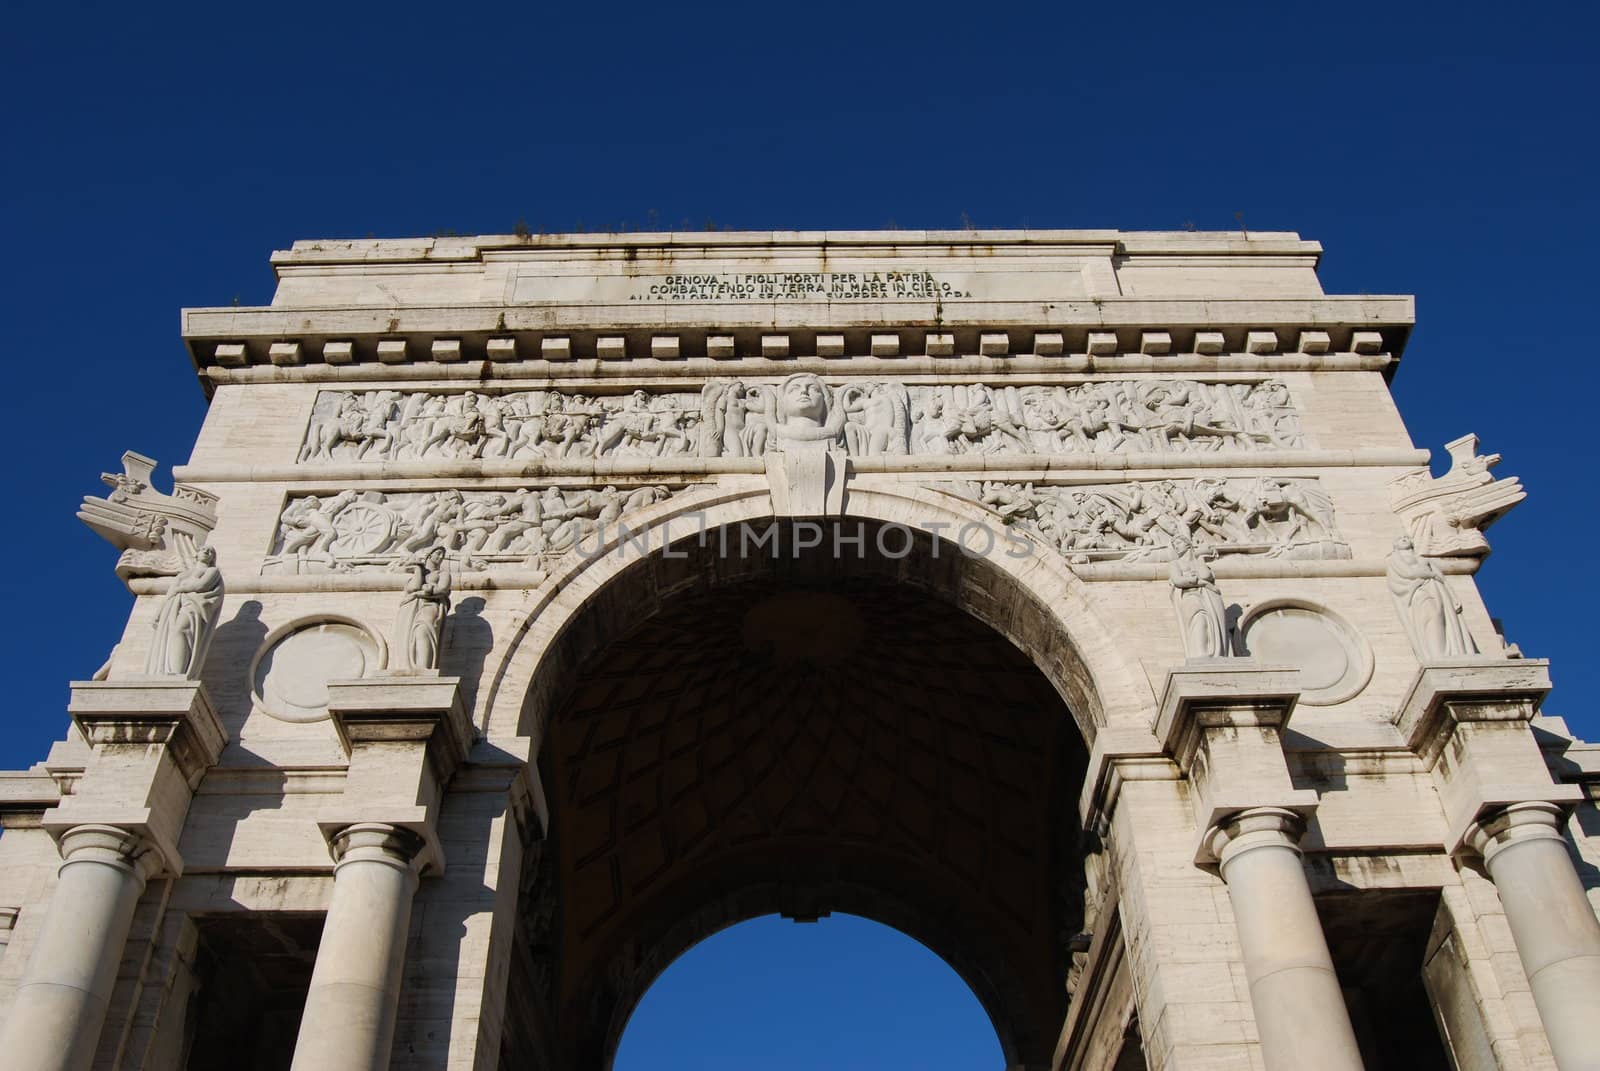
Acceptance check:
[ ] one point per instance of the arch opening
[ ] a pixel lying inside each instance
(848, 992)
(798, 735)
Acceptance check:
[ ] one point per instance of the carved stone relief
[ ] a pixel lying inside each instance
(1141, 521)
(158, 534)
(733, 418)
(1445, 517)
(363, 531)
(290, 676)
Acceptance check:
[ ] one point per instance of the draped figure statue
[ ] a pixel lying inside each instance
(187, 619)
(422, 610)
(1202, 617)
(1427, 607)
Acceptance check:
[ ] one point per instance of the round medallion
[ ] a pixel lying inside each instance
(1333, 661)
(291, 675)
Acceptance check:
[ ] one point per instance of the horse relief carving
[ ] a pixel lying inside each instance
(737, 418)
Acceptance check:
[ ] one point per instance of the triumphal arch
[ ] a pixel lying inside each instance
(531, 608)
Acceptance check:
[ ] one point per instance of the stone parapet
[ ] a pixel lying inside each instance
(526, 304)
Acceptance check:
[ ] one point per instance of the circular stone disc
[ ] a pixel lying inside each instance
(292, 676)
(1330, 660)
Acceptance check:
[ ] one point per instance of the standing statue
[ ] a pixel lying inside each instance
(1428, 609)
(1202, 618)
(187, 619)
(422, 609)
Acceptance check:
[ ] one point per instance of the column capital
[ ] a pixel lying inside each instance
(1255, 827)
(376, 842)
(126, 850)
(1516, 823)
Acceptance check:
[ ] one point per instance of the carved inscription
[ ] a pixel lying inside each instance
(376, 531)
(739, 418)
(799, 286)
(1143, 521)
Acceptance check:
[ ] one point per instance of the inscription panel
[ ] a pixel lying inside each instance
(856, 282)
(805, 286)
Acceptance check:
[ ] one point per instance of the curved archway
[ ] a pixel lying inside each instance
(848, 992)
(729, 738)
(1035, 600)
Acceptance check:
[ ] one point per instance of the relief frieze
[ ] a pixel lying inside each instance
(1139, 521)
(738, 418)
(377, 531)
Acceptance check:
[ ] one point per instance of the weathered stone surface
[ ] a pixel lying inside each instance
(373, 530)
(1095, 418)
(890, 631)
(1142, 521)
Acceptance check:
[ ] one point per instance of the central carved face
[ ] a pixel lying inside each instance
(805, 400)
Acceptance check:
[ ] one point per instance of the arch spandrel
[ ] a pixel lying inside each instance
(1035, 601)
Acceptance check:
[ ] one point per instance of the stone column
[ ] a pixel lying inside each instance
(152, 741)
(1221, 721)
(1299, 1005)
(61, 1002)
(1554, 927)
(350, 1011)
(405, 736)
(1468, 721)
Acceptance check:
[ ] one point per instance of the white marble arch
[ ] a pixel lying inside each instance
(1074, 648)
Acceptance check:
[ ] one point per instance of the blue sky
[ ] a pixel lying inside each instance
(841, 992)
(154, 155)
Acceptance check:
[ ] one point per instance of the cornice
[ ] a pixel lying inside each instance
(444, 250)
(1073, 335)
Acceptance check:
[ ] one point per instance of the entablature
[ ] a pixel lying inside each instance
(1216, 335)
